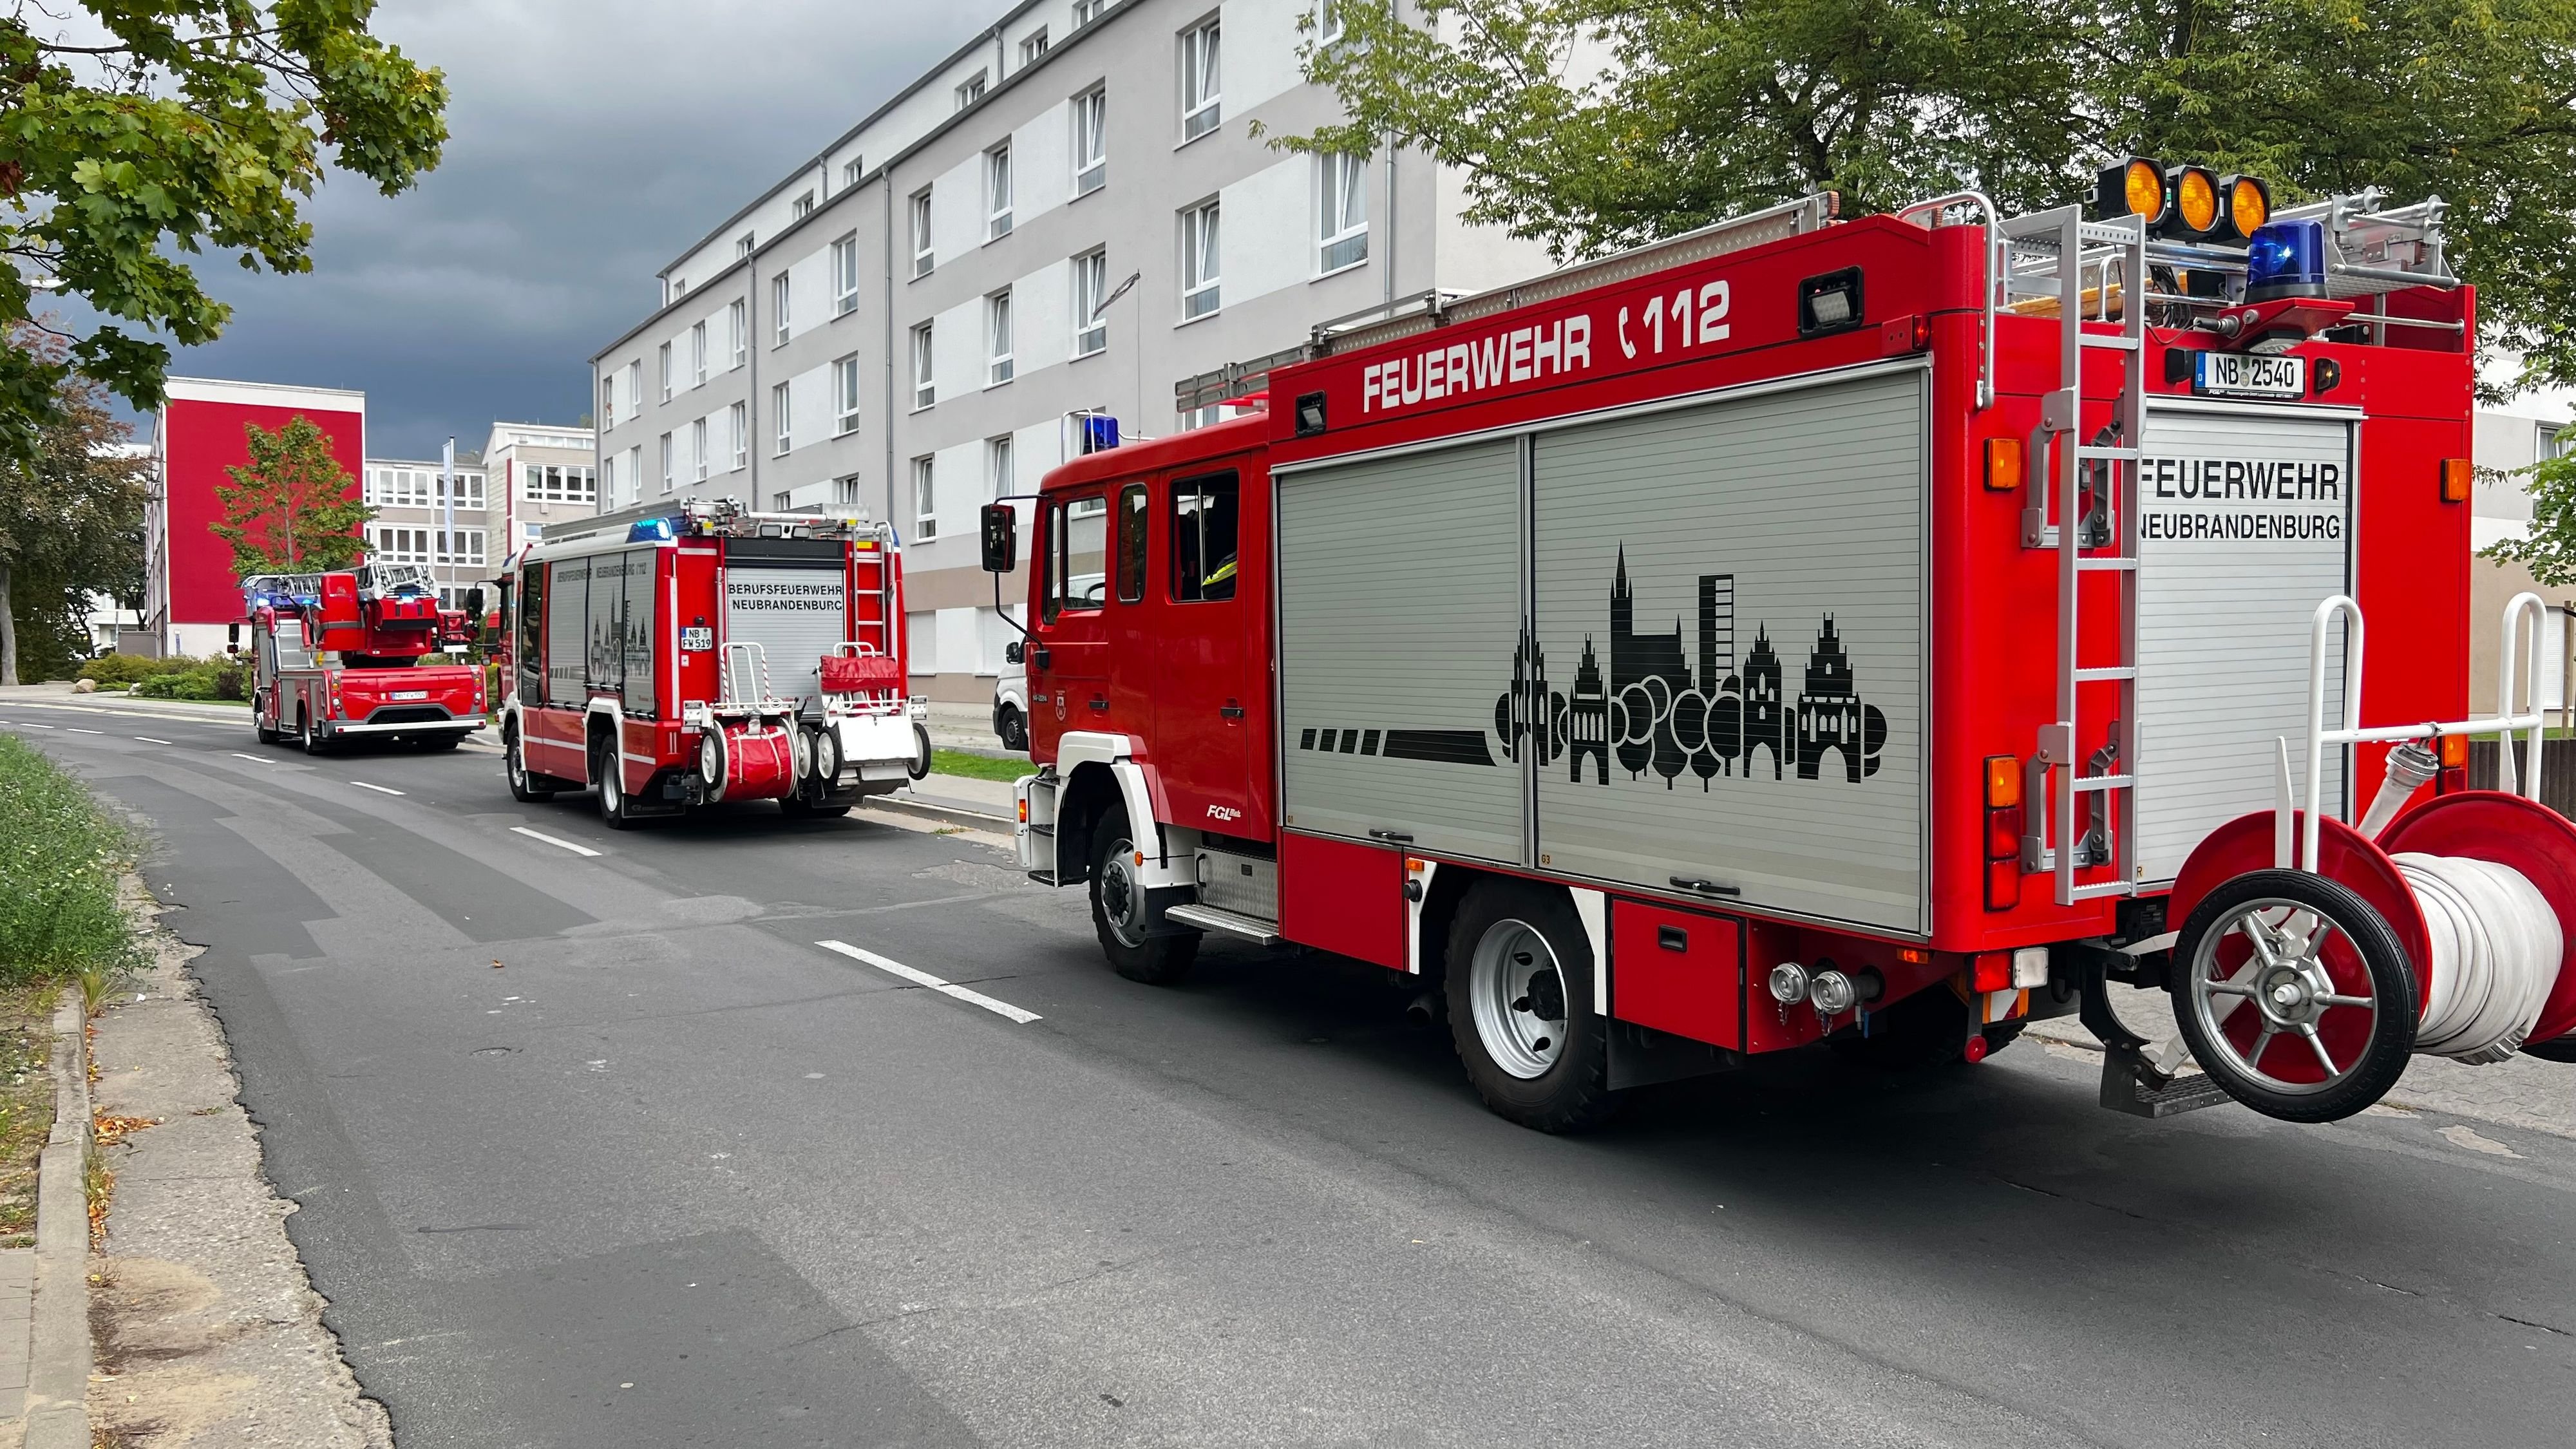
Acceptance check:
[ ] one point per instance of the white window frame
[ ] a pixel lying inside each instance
(697, 354)
(781, 409)
(845, 396)
(1341, 212)
(845, 491)
(738, 423)
(1087, 11)
(997, 192)
(924, 256)
(663, 353)
(1202, 78)
(666, 462)
(925, 379)
(852, 170)
(742, 246)
(803, 207)
(635, 388)
(1033, 45)
(1090, 141)
(737, 331)
(779, 297)
(1328, 22)
(1000, 336)
(698, 448)
(1090, 287)
(972, 88)
(998, 466)
(1202, 261)
(608, 402)
(845, 275)
(925, 498)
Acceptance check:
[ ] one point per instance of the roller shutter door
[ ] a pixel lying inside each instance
(1399, 602)
(792, 597)
(2246, 520)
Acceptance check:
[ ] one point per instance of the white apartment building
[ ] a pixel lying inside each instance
(1069, 213)
(2504, 445)
(540, 473)
(413, 522)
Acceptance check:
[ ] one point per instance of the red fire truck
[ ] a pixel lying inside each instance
(710, 654)
(1882, 632)
(335, 656)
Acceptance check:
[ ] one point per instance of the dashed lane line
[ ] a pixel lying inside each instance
(379, 789)
(147, 739)
(77, 730)
(554, 840)
(924, 978)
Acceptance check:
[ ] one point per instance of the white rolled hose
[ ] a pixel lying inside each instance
(2495, 946)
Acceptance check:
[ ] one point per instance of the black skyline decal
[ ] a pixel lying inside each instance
(1654, 712)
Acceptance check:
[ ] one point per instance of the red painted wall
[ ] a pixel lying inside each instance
(200, 440)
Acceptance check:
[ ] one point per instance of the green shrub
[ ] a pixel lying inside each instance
(60, 856)
(202, 679)
(116, 671)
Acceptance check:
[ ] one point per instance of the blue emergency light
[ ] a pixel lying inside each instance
(2286, 259)
(650, 530)
(1099, 432)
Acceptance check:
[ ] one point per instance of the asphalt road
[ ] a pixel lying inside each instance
(603, 1148)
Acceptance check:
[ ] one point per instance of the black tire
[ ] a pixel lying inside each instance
(1118, 912)
(259, 724)
(797, 807)
(610, 772)
(919, 764)
(2372, 951)
(1013, 727)
(309, 735)
(435, 743)
(1572, 1092)
(526, 786)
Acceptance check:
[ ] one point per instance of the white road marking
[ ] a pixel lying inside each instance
(379, 789)
(254, 759)
(553, 840)
(77, 730)
(32, 725)
(924, 978)
(147, 739)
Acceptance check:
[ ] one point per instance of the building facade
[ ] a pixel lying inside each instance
(414, 522)
(536, 474)
(2507, 445)
(192, 602)
(1074, 213)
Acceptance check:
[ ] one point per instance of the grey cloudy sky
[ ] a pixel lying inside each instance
(590, 141)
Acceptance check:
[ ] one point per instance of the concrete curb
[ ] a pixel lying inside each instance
(58, 1365)
(1003, 825)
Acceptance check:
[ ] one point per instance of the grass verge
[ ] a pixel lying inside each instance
(977, 767)
(60, 858)
(26, 1103)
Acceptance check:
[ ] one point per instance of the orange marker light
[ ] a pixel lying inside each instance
(2455, 752)
(2249, 205)
(2003, 781)
(2456, 476)
(2196, 199)
(2144, 188)
(2007, 464)
(1913, 955)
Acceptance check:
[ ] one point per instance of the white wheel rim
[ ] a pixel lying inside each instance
(1514, 983)
(2284, 978)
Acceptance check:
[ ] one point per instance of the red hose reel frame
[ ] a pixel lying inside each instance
(2488, 825)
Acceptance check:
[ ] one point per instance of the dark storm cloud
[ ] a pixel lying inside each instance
(591, 141)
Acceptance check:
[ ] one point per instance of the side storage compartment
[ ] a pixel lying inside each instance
(1677, 971)
(1341, 896)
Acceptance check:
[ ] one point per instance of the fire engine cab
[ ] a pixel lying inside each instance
(1880, 632)
(710, 654)
(336, 656)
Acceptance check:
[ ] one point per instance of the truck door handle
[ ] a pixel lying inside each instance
(1705, 887)
(1100, 702)
(1672, 938)
(1231, 711)
(1393, 837)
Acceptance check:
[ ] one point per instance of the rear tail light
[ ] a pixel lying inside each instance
(1992, 971)
(2454, 774)
(2003, 830)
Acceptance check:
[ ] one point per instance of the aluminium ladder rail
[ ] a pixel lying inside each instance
(2049, 254)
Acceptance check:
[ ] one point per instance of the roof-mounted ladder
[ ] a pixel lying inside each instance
(2091, 494)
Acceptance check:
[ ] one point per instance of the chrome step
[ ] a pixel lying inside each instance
(1209, 918)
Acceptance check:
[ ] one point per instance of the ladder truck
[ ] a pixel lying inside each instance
(1879, 632)
(708, 654)
(336, 657)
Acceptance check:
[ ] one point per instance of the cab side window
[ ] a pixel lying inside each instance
(531, 605)
(1077, 554)
(1132, 519)
(1204, 520)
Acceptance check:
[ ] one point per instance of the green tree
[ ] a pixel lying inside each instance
(1597, 124)
(135, 133)
(292, 507)
(70, 524)
(2549, 548)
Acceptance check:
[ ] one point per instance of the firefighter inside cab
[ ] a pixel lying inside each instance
(1872, 632)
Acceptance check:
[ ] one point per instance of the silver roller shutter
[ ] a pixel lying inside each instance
(1399, 601)
(568, 632)
(798, 613)
(2246, 525)
(1730, 616)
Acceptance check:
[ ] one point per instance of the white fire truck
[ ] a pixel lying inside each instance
(709, 654)
(1878, 632)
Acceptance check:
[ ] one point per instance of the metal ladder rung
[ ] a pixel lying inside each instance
(2088, 784)
(2111, 564)
(2088, 450)
(2120, 342)
(2114, 671)
(2096, 892)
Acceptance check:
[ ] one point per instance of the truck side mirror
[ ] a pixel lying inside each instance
(474, 610)
(1001, 538)
(1014, 653)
